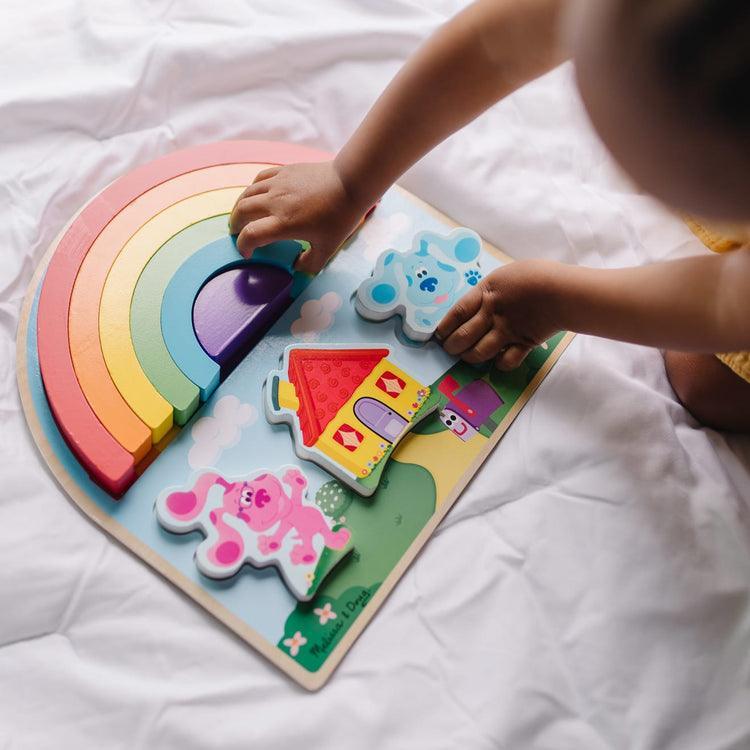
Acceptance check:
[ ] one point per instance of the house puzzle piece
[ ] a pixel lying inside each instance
(347, 407)
(421, 285)
(262, 519)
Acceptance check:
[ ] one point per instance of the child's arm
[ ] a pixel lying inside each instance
(484, 53)
(695, 304)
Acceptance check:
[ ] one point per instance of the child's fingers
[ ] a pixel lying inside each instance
(467, 334)
(265, 174)
(246, 210)
(512, 357)
(311, 261)
(488, 347)
(467, 307)
(260, 232)
(256, 188)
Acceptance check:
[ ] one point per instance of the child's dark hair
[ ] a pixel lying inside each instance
(701, 51)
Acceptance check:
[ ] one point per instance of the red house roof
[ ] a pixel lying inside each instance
(324, 380)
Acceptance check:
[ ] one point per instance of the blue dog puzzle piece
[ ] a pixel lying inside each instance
(422, 284)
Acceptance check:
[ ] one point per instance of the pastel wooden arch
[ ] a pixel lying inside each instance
(104, 458)
(91, 371)
(145, 315)
(177, 312)
(117, 295)
(179, 298)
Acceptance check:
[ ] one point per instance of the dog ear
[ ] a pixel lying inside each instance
(382, 288)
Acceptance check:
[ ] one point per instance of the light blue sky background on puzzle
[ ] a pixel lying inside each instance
(258, 596)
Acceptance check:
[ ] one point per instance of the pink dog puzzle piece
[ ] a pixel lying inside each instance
(263, 519)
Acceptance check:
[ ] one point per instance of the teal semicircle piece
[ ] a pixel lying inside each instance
(145, 314)
(183, 288)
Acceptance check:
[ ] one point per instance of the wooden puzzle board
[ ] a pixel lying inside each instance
(424, 477)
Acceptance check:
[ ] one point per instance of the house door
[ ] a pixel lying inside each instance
(377, 417)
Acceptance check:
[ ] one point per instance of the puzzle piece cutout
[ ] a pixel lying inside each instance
(347, 407)
(469, 408)
(255, 520)
(422, 284)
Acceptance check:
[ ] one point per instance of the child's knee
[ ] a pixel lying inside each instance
(709, 390)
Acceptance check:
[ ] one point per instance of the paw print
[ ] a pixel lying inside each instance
(265, 546)
(472, 277)
(302, 555)
(295, 476)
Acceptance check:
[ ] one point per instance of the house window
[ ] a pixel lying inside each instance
(391, 384)
(347, 436)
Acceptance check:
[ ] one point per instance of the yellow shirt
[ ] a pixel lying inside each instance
(721, 240)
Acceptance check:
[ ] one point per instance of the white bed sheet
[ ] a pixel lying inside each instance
(590, 589)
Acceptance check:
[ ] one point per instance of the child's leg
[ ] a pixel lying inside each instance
(715, 395)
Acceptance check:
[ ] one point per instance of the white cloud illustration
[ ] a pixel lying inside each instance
(316, 315)
(380, 232)
(211, 435)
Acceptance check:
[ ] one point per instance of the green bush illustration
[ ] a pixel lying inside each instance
(334, 499)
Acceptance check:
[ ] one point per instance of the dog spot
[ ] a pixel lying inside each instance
(181, 503)
(227, 552)
(383, 294)
(467, 249)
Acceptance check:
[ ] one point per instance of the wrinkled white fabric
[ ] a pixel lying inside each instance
(589, 590)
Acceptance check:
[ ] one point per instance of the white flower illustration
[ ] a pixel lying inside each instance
(295, 642)
(325, 613)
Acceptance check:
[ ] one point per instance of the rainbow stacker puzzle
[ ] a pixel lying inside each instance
(240, 426)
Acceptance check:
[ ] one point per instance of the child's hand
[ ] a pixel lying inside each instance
(504, 317)
(300, 201)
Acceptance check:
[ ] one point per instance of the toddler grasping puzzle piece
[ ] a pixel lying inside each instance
(422, 284)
